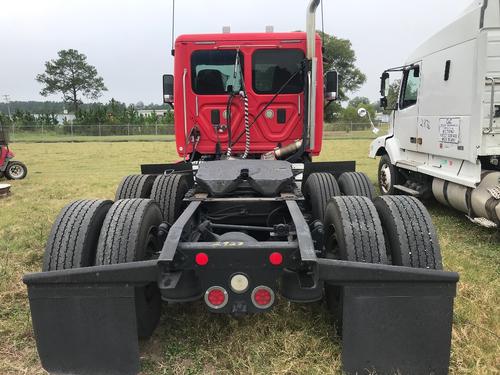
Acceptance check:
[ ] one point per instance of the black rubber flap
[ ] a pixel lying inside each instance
(85, 329)
(266, 177)
(397, 329)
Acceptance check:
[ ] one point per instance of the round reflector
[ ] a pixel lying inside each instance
(276, 259)
(201, 259)
(262, 297)
(239, 283)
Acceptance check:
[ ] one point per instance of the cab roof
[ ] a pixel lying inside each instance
(238, 37)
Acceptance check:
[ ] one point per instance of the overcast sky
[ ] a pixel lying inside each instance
(129, 41)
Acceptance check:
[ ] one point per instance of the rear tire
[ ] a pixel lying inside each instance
(353, 232)
(129, 234)
(410, 235)
(73, 239)
(356, 184)
(318, 190)
(16, 170)
(135, 186)
(169, 191)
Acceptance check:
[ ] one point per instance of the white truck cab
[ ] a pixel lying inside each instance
(444, 134)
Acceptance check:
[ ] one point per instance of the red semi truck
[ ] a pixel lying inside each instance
(244, 220)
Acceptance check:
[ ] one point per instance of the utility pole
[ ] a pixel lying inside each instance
(7, 100)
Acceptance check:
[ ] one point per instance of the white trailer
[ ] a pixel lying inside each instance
(444, 136)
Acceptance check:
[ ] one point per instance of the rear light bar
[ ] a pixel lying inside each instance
(216, 297)
(263, 297)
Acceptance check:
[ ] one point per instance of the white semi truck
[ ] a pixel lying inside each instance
(444, 136)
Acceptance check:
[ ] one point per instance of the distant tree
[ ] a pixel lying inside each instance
(359, 101)
(339, 55)
(71, 76)
(139, 105)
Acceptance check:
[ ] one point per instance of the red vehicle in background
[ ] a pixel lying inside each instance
(11, 169)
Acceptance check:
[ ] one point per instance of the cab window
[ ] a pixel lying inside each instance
(272, 68)
(213, 72)
(411, 85)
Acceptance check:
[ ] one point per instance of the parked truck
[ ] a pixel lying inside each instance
(444, 137)
(243, 220)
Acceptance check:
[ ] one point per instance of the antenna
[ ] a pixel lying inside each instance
(173, 27)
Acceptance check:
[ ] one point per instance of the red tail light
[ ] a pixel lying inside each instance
(216, 297)
(276, 259)
(201, 259)
(262, 297)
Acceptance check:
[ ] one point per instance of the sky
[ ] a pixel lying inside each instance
(129, 41)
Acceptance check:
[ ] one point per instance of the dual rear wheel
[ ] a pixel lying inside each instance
(100, 232)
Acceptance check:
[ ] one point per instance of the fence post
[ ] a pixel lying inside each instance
(42, 129)
(351, 127)
(128, 129)
(71, 126)
(99, 129)
(156, 129)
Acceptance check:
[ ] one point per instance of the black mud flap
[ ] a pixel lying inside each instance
(85, 319)
(395, 320)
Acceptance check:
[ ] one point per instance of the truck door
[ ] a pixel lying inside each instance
(406, 119)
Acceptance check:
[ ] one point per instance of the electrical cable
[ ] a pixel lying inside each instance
(270, 102)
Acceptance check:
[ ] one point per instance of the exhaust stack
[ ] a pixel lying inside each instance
(311, 75)
(311, 28)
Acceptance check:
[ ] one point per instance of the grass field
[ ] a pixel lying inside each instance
(37, 136)
(293, 339)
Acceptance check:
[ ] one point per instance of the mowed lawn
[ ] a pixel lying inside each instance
(292, 339)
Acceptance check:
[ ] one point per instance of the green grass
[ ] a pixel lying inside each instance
(293, 339)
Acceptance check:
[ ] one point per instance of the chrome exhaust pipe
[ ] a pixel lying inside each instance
(311, 28)
(311, 56)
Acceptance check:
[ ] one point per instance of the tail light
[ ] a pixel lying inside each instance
(276, 259)
(262, 297)
(216, 297)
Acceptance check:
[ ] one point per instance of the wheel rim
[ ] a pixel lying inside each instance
(16, 171)
(385, 178)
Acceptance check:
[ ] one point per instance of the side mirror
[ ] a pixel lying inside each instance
(331, 86)
(362, 112)
(168, 88)
(384, 89)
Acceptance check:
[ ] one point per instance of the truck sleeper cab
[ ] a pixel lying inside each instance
(444, 136)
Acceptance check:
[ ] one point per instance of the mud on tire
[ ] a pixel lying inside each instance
(410, 235)
(135, 186)
(73, 239)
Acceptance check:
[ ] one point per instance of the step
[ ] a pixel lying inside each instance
(407, 190)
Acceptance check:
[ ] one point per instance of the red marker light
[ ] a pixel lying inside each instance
(201, 259)
(276, 259)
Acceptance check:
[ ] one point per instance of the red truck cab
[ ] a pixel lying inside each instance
(213, 75)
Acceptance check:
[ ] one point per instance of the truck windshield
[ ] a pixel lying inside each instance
(272, 68)
(212, 72)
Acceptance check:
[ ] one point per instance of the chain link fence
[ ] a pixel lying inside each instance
(160, 132)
